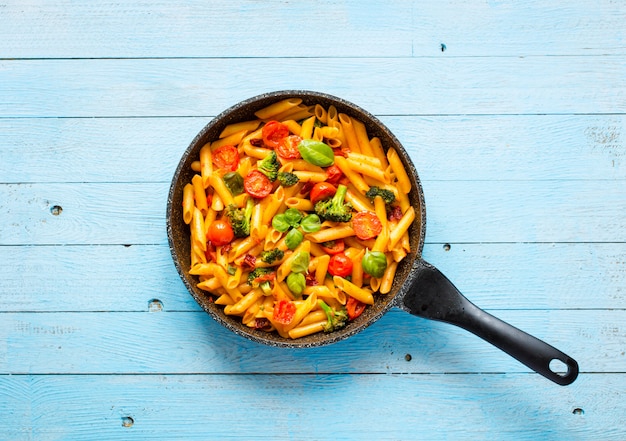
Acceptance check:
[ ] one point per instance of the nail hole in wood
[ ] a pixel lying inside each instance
(155, 305)
(578, 411)
(443, 47)
(446, 247)
(56, 210)
(127, 421)
(408, 357)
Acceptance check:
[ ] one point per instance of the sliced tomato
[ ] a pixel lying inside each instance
(321, 191)
(220, 233)
(257, 184)
(288, 147)
(273, 133)
(340, 265)
(333, 246)
(354, 307)
(226, 157)
(334, 174)
(284, 311)
(366, 225)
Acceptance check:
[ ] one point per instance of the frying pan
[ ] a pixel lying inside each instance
(419, 288)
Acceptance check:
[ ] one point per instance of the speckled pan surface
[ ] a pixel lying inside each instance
(178, 231)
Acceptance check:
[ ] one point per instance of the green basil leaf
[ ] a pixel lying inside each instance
(234, 182)
(293, 217)
(316, 153)
(293, 239)
(311, 223)
(280, 223)
(296, 282)
(374, 263)
(300, 262)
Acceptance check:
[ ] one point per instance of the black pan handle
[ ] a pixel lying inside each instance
(432, 296)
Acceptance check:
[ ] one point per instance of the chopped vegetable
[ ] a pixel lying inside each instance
(387, 195)
(293, 238)
(316, 153)
(321, 191)
(287, 179)
(284, 311)
(234, 183)
(296, 282)
(334, 209)
(300, 262)
(269, 166)
(366, 225)
(336, 319)
(271, 256)
(273, 132)
(354, 307)
(374, 263)
(261, 278)
(226, 158)
(288, 147)
(240, 218)
(334, 174)
(333, 246)
(220, 233)
(340, 265)
(311, 223)
(257, 184)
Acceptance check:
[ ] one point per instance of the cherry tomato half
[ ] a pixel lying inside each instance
(354, 307)
(366, 225)
(284, 312)
(334, 246)
(273, 133)
(288, 147)
(257, 184)
(340, 265)
(321, 191)
(334, 174)
(220, 233)
(226, 158)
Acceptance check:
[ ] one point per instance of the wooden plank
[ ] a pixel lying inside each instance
(521, 147)
(494, 276)
(192, 342)
(287, 407)
(64, 29)
(392, 86)
(458, 211)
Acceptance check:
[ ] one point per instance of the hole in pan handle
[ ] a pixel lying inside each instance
(432, 296)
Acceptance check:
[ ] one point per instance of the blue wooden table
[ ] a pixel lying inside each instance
(513, 112)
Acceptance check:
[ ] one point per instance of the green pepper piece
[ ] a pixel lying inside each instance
(316, 153)
(296, 282)
(374, 263)
(234, 182)
(311, 223)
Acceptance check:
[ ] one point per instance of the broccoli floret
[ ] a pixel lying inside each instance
(271, 256)
(269, 166)
(287, 179)
(336, 319)
(260, 278)
(387, 195)
(334, 209)
(239, 218)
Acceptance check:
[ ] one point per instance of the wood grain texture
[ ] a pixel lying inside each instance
(63, 29)
(457, 211)
(486, 147)
(285, 407)
(192, 342)
(391, 86)
(494, 276)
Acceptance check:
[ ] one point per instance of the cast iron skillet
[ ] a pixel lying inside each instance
(419, 288)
